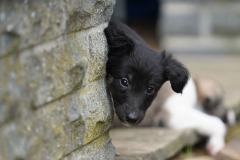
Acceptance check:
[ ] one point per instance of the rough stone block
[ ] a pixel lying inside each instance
(61, 127)
(85, 14)
(27, 23)
(100, 149)
(53, 99)
(51, 70)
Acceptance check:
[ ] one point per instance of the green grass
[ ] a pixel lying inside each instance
(187, 153)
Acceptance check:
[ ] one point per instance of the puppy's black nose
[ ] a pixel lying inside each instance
(132, 118)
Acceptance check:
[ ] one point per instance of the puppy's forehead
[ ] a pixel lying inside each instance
(144, 75)
(142, 66)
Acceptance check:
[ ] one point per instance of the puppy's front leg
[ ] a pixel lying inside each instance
(207, 125)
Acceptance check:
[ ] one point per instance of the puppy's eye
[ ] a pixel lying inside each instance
(124, 82)
(150, 90)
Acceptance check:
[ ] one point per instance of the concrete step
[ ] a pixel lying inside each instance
(150, 143)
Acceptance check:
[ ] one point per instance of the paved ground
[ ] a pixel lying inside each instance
(149, 143)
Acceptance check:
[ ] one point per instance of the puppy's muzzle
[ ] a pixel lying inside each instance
(132, 118)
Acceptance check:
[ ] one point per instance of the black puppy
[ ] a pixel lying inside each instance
(135, 72)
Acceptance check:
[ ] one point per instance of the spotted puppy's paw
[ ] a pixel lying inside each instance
(215, 144)
(216, 139)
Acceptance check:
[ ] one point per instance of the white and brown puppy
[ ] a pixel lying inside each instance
(199, 107)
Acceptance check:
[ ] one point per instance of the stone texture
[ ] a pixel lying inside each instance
(89, 151)
(26, 23)
(60, 127)
(53, 99)
(85, 13)
(149, 143)
(51, 70)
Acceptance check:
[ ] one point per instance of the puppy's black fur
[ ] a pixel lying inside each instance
(135, 72)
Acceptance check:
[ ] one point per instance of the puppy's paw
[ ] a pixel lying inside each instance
(215, 144)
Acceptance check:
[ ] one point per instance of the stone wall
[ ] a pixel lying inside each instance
(53, 102)
(200, 26)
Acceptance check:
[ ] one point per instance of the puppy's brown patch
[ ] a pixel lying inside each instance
(208, 89)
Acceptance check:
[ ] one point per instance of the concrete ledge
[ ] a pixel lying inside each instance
(150, 143)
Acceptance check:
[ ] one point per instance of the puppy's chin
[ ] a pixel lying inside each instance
(126, 124)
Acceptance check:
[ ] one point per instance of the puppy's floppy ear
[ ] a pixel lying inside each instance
(118, 42)
(175, 72)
